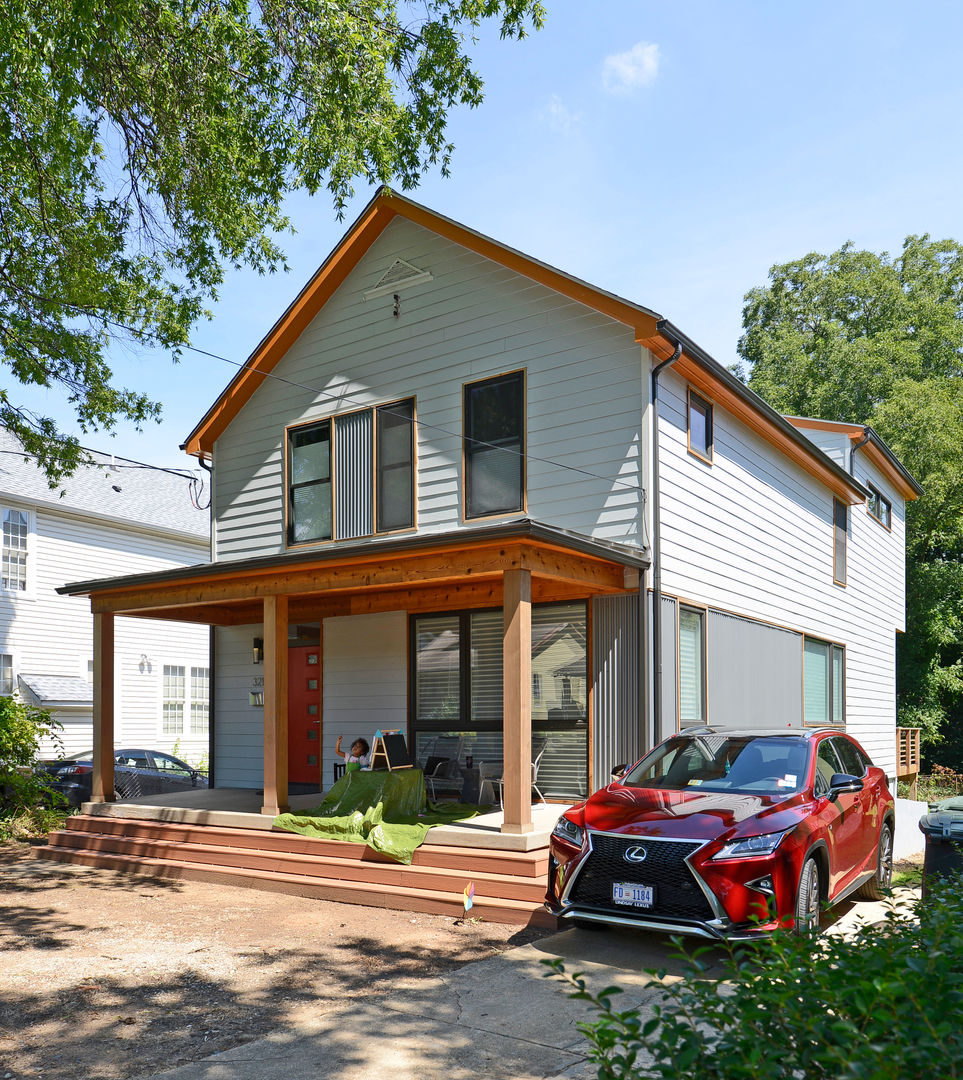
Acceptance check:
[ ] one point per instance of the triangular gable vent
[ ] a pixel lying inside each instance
(400, 275)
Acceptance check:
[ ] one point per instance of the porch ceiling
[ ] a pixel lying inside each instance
(441, 572)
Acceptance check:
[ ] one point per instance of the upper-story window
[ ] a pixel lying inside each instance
(495, 445)
(16, 530)
(840, 528)
(352, 475)
(700, 426)
(880, 507)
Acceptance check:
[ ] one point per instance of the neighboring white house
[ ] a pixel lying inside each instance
(115, 517)
(440, 427)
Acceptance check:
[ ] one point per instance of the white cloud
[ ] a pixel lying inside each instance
(627, 71)
(558, 117)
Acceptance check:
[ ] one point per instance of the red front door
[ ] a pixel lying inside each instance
(304, 714)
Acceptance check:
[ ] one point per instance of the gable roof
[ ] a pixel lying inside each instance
(649, 328)
(115, 488)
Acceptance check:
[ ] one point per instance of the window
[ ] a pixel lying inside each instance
(827, 765)
(692, 665)
(824, 683)
(352, 475)
(494, 445)
(6, 675)
(184, 699)
(700, 426)
(16, 529)
(840, 527)
(173, 708)
(880, 507)
(200, 700)
(849, 757)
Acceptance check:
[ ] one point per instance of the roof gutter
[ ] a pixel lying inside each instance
(657, 537)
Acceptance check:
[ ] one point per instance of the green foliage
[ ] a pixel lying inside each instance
(883, 1004)
(866, 338)
(33, 823)
(22, 728)
(147, 144)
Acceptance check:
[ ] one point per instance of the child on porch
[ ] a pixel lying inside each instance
(357, 756)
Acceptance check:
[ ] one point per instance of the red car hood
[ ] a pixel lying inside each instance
(690, 815)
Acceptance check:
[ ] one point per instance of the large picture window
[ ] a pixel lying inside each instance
(495, 445)
(824, 684)
(352, 475)
(457, 688)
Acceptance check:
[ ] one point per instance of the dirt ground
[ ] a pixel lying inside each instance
(104, 977)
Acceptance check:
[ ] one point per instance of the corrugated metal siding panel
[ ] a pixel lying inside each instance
(616, 672)
(354, 506)
(754, 673)
(670, 669)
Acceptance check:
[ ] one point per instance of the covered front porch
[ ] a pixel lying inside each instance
(510, 567)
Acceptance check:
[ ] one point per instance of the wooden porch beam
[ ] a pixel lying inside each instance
(275, 705)
(517, 702)
(102, 779)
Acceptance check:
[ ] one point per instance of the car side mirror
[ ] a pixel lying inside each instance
(842, 783)
(618, 771)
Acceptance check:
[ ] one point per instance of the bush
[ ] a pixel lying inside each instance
(22, 728)
(883, 1004)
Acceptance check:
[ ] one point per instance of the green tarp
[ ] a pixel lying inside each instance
(388, 811)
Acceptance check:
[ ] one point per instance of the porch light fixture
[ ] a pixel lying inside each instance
(258, 651)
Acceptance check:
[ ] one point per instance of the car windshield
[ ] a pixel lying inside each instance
(746, 763)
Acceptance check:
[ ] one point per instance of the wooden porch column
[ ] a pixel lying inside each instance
(275, 705)
(517, 700)
(102, 780)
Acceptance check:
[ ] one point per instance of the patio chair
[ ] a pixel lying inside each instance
(442, 774)
(539, 743)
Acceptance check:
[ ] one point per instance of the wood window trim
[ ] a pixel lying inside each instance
(832, 645)
(499, 514)
(702, 611)
(840, 538)
(332, 420)
(693, 397)
(887, 520)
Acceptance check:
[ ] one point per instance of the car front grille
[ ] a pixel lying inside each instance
(677, 893)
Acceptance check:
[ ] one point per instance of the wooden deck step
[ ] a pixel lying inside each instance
(339, 866)
(392, 895)
(531, 864)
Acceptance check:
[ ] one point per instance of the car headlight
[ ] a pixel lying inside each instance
(568, 831)
(751, 845)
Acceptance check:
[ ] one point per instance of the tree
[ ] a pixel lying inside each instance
(860, 337)
(145, 145)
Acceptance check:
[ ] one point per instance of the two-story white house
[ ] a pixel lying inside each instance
(459, 491)
(116, 516)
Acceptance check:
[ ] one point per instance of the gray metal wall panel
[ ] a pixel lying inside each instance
(670, 673)
(353, 465)
(754, 673)
(616, 671)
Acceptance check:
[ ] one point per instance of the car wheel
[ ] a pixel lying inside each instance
(878, 885)
(806, 915)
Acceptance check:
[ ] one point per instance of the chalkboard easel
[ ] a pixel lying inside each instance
(389, 751)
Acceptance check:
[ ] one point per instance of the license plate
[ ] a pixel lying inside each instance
(624, 892)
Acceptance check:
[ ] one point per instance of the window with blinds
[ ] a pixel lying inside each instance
(352, 475)
(840, 527)
(692, 666)
(494, 445)
(824, 684)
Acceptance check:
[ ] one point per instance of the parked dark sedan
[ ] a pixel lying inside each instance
(136, 773)
(727, 834)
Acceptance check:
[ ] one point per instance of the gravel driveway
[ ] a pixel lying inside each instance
(104, 976)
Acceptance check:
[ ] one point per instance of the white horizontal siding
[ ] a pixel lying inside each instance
(752, 534)
(473, 320)
(50, 634)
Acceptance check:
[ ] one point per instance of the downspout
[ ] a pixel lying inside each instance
(211, 650)
(854, 447)
(657, 540)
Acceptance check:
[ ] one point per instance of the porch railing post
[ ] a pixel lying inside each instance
(275, 705)
(517, 701)
(102, 778)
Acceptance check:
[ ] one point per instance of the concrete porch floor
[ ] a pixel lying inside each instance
(239, 808)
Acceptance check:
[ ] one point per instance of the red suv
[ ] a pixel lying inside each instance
(727, 834)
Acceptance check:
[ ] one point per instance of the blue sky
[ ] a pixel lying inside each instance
(668, 152)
